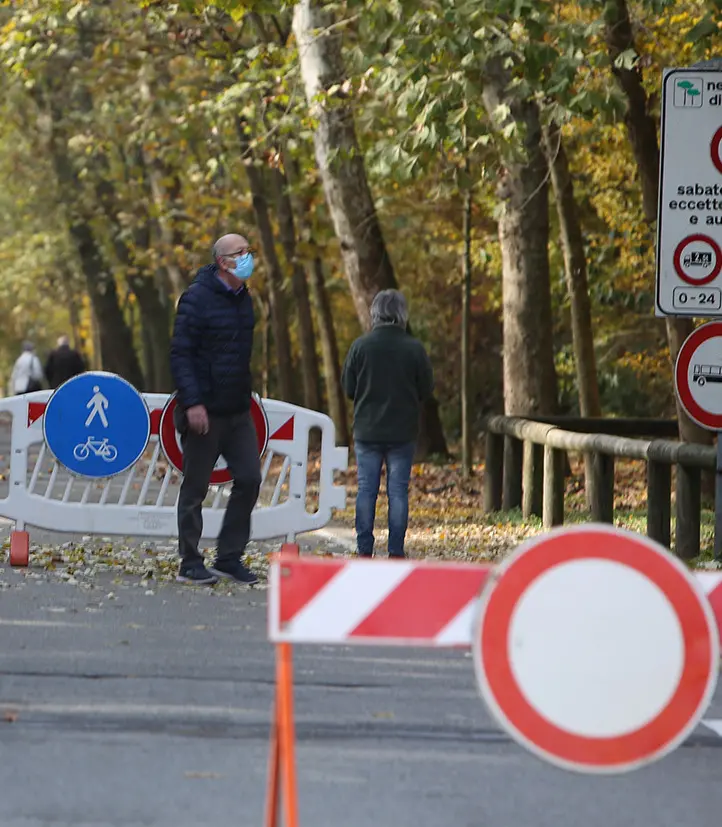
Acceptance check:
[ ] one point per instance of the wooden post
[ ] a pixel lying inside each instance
(493, 472)
(513, 463)
(532, 479)
(687, 508)
(602, 493)
(553, 504)
(659, 505)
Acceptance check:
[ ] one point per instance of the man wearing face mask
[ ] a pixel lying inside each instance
(211, 366)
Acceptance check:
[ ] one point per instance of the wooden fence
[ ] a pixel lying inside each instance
(526, 461)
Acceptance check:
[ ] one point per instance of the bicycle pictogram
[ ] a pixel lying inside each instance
(99, 447)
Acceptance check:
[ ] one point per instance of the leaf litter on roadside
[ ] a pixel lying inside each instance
(446, 521)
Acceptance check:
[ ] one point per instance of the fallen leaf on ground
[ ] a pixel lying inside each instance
(192, 774)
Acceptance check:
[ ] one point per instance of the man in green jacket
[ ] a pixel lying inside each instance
(388, 375)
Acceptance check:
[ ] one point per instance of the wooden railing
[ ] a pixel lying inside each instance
(526, 461)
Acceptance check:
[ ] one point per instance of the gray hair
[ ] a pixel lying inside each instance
(389, 307)
(28, 346)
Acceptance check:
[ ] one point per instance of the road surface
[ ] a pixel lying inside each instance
(140, 709)
(130, 701)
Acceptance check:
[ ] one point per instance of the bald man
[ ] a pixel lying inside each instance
(211, 365)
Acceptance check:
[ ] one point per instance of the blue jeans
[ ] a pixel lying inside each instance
(370, 456)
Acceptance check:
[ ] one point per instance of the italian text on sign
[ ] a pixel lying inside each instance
(689, 227)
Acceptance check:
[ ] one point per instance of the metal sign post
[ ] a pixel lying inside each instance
(718, 504)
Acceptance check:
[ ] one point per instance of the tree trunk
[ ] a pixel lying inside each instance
(575, 272)
(366, 260)
(642, 133)
(152, 303)
(115, 340)
(530, 384)
(307, 337)
(165, 198)
(70, 295)
(156, 332)
(340, 161)
(274, 275)
(265, 346)
(329, 353)
(322, 309)
(115, 352)
(466, 441)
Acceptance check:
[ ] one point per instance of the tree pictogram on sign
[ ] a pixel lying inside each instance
(698, 259)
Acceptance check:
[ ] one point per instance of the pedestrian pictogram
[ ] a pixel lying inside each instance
(586, 682)
(698, 375)
(170, 440)
(98, 405)
(688, 92)
(698, 259)
(96, 425)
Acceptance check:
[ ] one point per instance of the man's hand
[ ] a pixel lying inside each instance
(198, 419)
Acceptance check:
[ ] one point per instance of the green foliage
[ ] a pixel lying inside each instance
(147, 97)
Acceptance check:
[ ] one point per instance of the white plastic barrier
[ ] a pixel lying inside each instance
(142, 501)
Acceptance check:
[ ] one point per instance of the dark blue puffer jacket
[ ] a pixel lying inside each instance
(210, 354)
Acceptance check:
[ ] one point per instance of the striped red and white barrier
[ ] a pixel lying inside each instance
(405, 603)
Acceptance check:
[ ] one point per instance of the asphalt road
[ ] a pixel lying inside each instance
(153, 709)
(124, 704)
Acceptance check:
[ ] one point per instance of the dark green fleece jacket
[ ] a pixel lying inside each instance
(388, 375)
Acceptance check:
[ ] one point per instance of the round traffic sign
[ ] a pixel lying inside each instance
(698, 375)
(697, 259)
(171, 444)
(595, 649)
(716, 149)
(96, 424)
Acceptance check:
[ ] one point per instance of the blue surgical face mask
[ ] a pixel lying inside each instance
(244, 267)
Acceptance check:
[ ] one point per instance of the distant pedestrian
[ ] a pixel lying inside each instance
(63, 363)
(388, 375)
(211, 365)
(27, 375)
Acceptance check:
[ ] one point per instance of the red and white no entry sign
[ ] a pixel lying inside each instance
(170, 440)
(698, 259)
(698, 375)
(595, 649)
(716, 149)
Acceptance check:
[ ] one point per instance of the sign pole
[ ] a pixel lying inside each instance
(718, 502)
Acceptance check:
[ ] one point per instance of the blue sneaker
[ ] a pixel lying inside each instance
(235, 571)
(196, 574)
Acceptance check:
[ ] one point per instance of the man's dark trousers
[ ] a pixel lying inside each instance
(233, 437)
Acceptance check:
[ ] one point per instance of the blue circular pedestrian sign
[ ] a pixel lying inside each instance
(96, 425)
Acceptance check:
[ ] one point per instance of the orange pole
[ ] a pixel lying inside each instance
(274, 770)
(287, 734)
